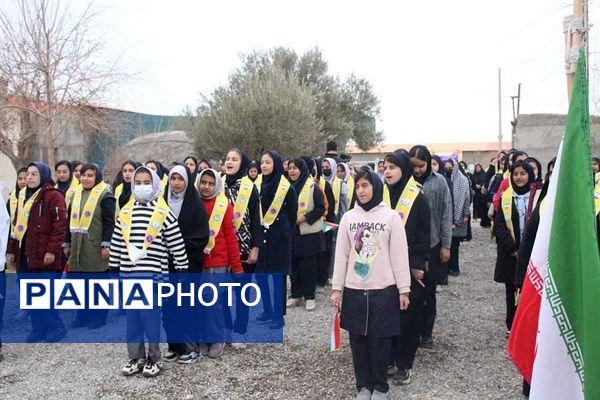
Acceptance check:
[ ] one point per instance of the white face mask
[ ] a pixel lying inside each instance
(142, 192)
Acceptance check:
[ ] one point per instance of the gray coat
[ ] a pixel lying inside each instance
(437, 192)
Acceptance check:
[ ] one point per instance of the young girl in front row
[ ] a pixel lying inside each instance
(372, 270)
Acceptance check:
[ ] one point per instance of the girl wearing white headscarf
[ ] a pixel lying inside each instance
(152, 239)
(185, 204)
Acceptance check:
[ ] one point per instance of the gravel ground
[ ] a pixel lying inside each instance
(468, 360)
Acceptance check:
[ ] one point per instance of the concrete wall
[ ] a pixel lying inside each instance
(540, 135)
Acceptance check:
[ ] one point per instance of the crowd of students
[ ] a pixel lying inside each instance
(398, 238)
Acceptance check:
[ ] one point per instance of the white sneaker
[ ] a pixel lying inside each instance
(151, 369)
(310, 305)
(291, 303)
(238, 346)
(133, 367)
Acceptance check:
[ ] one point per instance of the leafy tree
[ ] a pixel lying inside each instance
(334, 109)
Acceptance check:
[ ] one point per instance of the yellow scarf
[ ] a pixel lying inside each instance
(303, 197)
(241, 203)
(70, 191)
(350, 184)
(81, 221)
(13, 203)
(407, 198)
(506, 204)
(160, 213)
(337, 192)
(277, 202)
(258, 181)
(216, 221)
(23, 214)
(597, 194)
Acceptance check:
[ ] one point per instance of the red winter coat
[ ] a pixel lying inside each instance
(226, 251)
(46, 229)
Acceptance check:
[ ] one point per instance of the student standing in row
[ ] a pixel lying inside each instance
(307, 235)
(371, 283)
(36, 243)
(279, 210)
(146, 234)
(509, 226)
(403, 194)
(244, 198)
(87, 244)
(123, 190)
(222, 253)
(461, 206)
(437, 193)
(184, 202)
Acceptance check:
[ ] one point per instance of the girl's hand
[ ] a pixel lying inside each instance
(105, 253)
(48, 258)
(335, 299)
(253, 256)
(301, 219)
(404, 301)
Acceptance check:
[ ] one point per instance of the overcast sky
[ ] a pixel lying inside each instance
(433, 64)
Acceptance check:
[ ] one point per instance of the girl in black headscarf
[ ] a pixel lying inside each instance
(13, 199)
(324, 268)
(275, 255)
(372, 270)
(244, 198)
(509, 226)
(438, 195)
(480, 204)
(253, 171)
(307, 235)
(123, 189)
(405, 193)
(191, 163)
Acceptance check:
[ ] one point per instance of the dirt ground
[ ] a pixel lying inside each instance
(468, 361)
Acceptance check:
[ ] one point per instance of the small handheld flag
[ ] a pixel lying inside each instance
(335, 342)
(329, 226)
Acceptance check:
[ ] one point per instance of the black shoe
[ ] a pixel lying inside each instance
(78, 323)
(426, 343)
(35, 337)
(96, 324)
(402, 378)
(443, 282)
(56, 336)
(454, 273)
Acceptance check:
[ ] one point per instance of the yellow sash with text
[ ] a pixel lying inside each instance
(216, 221)
(241, 203)
(23, 214)
(277, 202)
(13, 203)
(160, 213)
(82, 219)
(406, 200)
(303, 197)
(506, 204)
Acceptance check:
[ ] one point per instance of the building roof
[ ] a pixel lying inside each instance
(434, 147)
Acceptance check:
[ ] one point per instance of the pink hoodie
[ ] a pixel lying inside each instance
(371, 250)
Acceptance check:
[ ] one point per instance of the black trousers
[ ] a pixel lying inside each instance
(370, 356)
(242, 311)
(511, 307)
(324, 259)
(271, 309)
(404, 347)
(453, 264)
(304, 277)
(430, 301)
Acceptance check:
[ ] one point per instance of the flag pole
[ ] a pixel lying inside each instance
(575, 28)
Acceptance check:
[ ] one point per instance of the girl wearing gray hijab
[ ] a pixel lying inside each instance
(142, 242)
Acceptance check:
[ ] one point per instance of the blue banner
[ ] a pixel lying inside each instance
(130, 308)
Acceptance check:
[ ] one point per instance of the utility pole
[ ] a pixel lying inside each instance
(575, 28)
(516, 111)
(500, 148)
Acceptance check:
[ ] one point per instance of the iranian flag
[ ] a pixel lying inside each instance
(558, 348)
